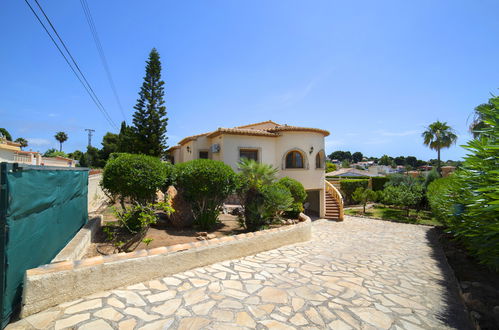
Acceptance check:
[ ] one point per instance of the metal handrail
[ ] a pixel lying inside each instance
(335, 193)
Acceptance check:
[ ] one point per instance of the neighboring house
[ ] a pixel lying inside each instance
(382, 170)
(297, 152)
(350, 172)
(11, 152)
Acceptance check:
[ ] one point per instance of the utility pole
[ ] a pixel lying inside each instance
(90, 132)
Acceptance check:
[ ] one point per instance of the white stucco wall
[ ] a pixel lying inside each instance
(6, 156)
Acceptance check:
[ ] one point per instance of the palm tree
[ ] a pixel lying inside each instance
(439, 135)
(256, 174)
(22, 141)
(61, 137)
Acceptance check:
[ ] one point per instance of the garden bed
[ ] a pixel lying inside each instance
(164, 234)
(479, 284)
(396, 215)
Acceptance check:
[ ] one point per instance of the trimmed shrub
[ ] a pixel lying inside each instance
(330, 167)
(440, 198)
(135, 177)
(205, 184)
(378, 182)
(299, 196)
(348, 186)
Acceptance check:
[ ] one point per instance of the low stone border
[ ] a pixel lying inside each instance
(387, 220)
(56, 283)
(77, 247)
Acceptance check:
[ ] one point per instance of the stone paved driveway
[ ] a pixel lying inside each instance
(360, 274)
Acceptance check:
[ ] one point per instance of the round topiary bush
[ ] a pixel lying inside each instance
(135, 177)
(205, 184)
(299, 196)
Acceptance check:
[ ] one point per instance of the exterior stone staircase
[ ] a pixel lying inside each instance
(334, 203)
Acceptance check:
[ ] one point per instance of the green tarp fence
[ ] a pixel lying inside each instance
(41, 209)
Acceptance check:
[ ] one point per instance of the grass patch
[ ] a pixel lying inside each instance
(397, 215)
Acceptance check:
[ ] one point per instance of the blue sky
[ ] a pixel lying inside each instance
(373, 73)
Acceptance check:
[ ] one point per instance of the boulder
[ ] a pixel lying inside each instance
(182, 217)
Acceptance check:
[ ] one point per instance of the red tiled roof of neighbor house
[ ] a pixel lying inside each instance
(190, 138)
(282, 128)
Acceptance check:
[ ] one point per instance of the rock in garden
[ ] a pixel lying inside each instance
(182, 217)
(211, 236)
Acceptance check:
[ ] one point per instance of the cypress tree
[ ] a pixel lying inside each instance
(149, 119)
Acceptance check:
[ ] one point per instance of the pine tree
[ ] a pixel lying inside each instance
(149, 119)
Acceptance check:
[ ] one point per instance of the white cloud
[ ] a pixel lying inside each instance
(53, 115)
(37, 142)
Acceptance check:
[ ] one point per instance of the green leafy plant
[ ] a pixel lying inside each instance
(403, 195)
(363, 196)
(135, 177)
(277, 200)
(147, 241)
(205, 184)
(348, 186)
(437, 136)
(299, 196)
(378, 182)
(330, 167)
(471, 214)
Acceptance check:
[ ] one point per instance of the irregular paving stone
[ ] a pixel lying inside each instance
(162, 296)
(222, 315)
(276, 325)
(269, 294)
(203, 308)
(71, 321)
(158, 325)
(374, 317)
(115, 302)
(97, 324)
(131, 297)
(168, 307)
(127, 324)
(140, 314)
(243, 319)
(42, 320)
(83, 306)
(193, 323)
(298, 319)
(109, 313)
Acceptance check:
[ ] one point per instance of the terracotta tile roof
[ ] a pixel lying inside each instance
(247, 130)
(260, 123)
(190, 138)
(242, 131)
(283, 128)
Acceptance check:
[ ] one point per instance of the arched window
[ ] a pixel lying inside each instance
(294, 159)
(319, 160)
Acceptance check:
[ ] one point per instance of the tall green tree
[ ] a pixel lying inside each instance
(439, 135)
(22, 141)
(126, 139)
(5, 134)
(110, 143)
(61, 137)
(149, 119)
(357, 157)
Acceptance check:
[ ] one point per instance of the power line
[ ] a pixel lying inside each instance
(81, 77)
(98, 45)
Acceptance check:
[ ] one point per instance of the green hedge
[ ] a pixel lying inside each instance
(378, 182)
(348, 186)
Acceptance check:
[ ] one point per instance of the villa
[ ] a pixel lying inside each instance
(297, 152)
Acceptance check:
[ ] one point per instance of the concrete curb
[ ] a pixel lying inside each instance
(53, 284)
(77, 247)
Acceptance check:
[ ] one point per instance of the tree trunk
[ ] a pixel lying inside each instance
(364, 211)
(439, 170)
(60, 146)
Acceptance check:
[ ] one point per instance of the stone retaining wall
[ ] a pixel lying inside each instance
(56, 283)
